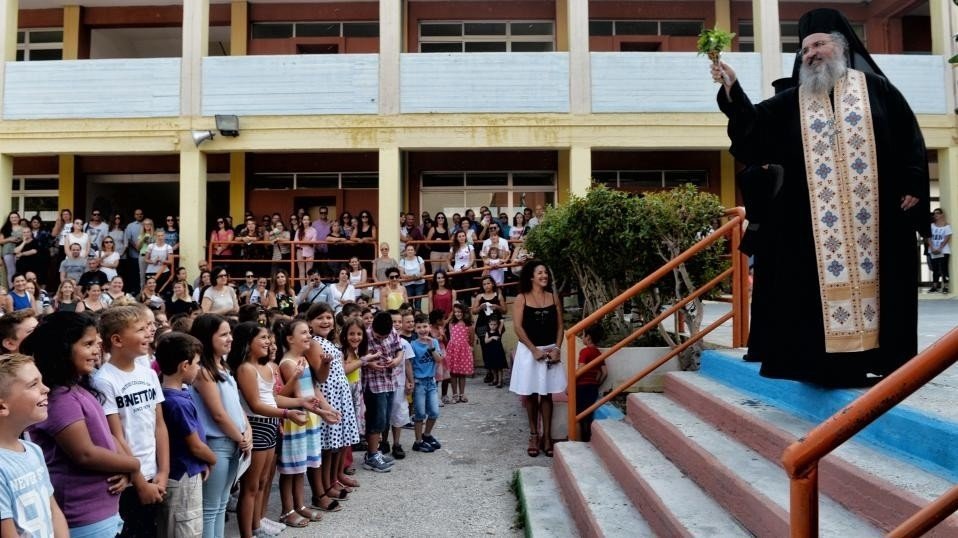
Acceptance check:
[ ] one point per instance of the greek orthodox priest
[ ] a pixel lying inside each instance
(838, 252)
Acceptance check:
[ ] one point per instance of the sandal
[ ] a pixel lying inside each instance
(331, 507)
(547, 450)
(533, 449)
(349, 471)
(347, 484)
(445, 399)
(293, 520)
(343, 495)
(310, 515)
(463, 399)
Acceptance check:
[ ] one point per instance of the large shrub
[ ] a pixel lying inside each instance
(605, 242)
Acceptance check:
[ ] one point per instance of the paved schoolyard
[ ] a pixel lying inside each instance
(462, 489)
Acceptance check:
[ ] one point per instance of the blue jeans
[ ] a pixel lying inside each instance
(216, 490)
(378, 407)
(425, 399)
(416, 289)
(109, 527)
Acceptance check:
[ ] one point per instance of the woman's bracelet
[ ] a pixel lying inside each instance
(285, 413)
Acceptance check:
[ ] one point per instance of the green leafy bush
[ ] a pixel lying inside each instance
(605, 242)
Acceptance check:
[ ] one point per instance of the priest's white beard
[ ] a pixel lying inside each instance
(821, 77)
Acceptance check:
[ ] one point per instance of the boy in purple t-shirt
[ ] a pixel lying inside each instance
(178, 357)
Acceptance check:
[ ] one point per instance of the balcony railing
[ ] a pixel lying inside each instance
(68, 89)
(665, 81)
(486, 82)
(622, 82)
(291, 85)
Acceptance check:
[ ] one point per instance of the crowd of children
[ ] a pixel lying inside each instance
(115, 425)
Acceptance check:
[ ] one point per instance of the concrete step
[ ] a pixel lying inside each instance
(672, 503)
(544, 513)
(914, 435)
(883, 489)
(753, 489)
(597, 503)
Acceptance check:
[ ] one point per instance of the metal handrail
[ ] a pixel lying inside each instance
(801, 458)
(739, 314)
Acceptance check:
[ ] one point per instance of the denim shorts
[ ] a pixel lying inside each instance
(425, 399)
(378, 406)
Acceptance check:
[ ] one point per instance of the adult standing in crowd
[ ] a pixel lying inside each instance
(130, 267)
(30, 255)
(856, 184)
(172, 229)
(220, 298)
(109, 257)
(939, 248)
(322, 225)
(96, 229)
(220, 237)
(412, 266)
(78, 237)
(537, 371)
(61, 228)
(11, 235)
(440, 231)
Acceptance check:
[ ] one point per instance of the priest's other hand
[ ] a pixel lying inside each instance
(908, 202)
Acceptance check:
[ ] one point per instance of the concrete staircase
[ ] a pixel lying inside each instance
(702, 459)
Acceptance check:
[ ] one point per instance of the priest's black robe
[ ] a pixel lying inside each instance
(788, 329)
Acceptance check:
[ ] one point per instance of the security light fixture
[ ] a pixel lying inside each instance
(228, 125)
(202, 136)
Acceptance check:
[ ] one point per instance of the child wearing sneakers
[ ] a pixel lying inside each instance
(425, 398)
(181, 514)
(378, 385)
(399, 415)
(27, 506)
(587, 386)
(132, 402)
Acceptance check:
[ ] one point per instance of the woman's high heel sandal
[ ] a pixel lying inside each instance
(533, 449)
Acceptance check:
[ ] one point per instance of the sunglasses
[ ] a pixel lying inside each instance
(251, 275)
(394, 277)
(220, 222)
(95, 214)
(222, 275)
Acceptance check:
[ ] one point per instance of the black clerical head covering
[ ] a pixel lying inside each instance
(826, 21)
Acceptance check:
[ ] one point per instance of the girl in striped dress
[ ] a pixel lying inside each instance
(301, 446)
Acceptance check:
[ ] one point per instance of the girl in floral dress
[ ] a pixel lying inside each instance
(338, 437)
(459, 350)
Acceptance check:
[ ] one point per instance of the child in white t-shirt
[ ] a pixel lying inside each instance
(493, 262)
(133, 395)
(27, 506)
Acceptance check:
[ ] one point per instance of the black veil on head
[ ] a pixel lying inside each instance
(826, 21)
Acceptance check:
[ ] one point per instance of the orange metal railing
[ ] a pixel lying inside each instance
(801, 458)
(734, 228)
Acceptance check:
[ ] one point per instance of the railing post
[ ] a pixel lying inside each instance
(739, 288)
(803, 508)
(571, 361)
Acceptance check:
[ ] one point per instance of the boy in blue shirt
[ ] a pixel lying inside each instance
(425, 398)
(181, 514)
(27, 506)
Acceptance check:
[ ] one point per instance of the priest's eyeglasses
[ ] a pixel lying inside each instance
(814, 46)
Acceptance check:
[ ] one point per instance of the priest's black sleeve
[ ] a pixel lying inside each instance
(755, 130)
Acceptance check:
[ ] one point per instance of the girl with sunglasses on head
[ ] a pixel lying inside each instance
(220, 298)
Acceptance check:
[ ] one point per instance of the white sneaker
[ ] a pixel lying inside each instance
(274, 527)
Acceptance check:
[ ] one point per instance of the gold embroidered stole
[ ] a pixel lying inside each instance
(842, 171)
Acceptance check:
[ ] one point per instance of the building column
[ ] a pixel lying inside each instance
(237, 185)
(71, 32)
(948, 201)
(727, 179)
(575, 172)
(239, 27)
(67, 183)
(944, 24)
(196, 30)
(192, 205)
(768, 42)
(6, 183)
(239, 32)
(723, 15)
(390, 196)
(390, 45)
(580, 70)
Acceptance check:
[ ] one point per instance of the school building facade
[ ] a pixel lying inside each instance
(394, 105)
